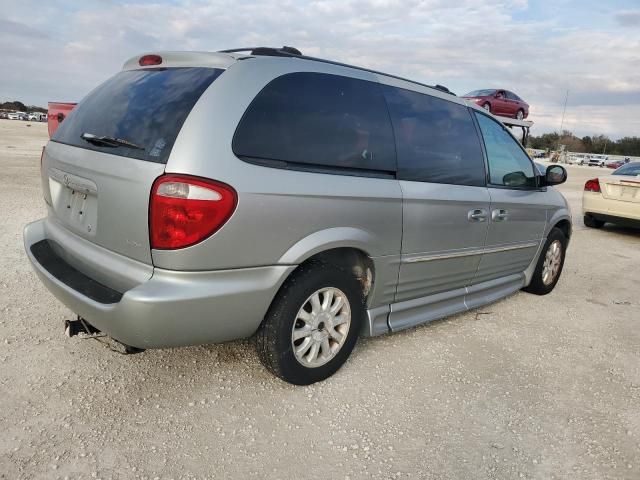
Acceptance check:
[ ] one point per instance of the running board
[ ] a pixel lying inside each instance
(407, 314)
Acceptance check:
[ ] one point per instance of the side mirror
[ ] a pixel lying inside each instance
(555, 175)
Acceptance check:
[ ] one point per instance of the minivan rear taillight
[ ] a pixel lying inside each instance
(184, 210)
(592, 185)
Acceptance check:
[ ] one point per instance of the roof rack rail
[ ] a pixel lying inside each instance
(294, 52)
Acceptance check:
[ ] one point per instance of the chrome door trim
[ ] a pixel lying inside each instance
(445, 255)
(470, 252)
(511, 246)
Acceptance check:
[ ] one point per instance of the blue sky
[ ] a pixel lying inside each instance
(539, 49)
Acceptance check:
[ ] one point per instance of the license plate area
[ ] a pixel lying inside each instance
(623, 192)
(629, 193)
(75, 201)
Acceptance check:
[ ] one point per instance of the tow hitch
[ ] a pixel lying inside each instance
(83, 329)
(79, 326)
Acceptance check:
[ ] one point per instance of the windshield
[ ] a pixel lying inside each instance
(480, 93)
(138, 112)
(632, 169)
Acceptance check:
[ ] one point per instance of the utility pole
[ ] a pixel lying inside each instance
(564, 110)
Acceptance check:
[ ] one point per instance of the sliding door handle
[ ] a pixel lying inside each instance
(499, 215)
(477, 215)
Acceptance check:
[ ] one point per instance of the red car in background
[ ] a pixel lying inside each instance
(617, 163)
(500, 102)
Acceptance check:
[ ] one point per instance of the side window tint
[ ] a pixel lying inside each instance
(436, 139)
(319, 119)
(509, 165)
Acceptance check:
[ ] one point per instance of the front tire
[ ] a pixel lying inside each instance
(520, 115)
(550, 264)
(312, 324)
(487, 107)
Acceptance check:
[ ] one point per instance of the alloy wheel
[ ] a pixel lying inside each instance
(552, 261)
(321, 327)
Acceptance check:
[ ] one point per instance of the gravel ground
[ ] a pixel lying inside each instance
(529, 387)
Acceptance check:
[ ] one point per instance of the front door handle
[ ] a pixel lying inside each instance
(499, 215)
(477, 215)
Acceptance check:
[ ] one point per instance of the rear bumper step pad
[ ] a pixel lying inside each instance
(67, 274)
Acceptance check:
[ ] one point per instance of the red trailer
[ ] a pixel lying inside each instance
(57, 113)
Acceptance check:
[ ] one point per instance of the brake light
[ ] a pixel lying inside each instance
(147, 60)
(184, 210)
(592, 185)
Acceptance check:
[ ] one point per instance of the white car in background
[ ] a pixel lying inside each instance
(595, 162)
(16, 115)
(613, 198)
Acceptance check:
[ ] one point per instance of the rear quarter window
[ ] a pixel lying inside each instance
(146, 107)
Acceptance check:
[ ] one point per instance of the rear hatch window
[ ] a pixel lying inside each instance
(142, 109)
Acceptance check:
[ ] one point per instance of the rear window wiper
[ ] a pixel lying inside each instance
(106, 141)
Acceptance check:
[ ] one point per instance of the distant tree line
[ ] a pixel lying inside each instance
(17, 106)
(627, 146)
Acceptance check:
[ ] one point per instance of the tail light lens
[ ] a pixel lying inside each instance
(185, 210)
(592, 185)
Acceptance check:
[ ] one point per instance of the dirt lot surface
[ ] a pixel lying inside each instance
(529, 387)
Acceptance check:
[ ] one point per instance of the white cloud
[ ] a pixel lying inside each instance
(465, 45)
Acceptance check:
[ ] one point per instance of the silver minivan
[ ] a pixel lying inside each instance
(204, 197)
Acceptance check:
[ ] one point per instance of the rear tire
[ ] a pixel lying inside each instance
(277, 348)
(591, 222)
(550, 264)
(520, 114)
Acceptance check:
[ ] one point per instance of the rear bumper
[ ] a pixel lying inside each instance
(622, 221)
(170, 308)
(595, 204)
